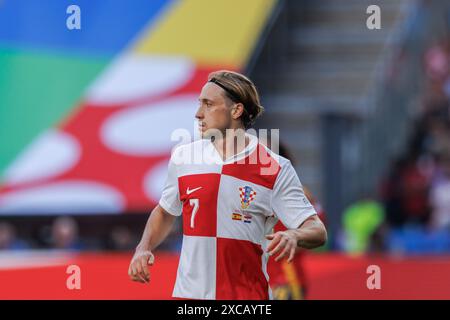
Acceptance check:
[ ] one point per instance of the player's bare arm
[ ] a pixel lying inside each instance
(311, 234)
(156, 230)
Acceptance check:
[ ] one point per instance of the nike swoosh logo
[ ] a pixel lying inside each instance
(193, 190)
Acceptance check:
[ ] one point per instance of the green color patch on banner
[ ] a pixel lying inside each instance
(36, 92)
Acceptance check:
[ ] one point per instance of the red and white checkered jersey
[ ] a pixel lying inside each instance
(228, 207)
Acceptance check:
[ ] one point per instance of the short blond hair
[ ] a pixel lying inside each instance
(239, 88)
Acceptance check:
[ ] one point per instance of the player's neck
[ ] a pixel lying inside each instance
(233, 142)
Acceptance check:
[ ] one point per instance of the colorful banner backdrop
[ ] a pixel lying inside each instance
(86, 116)
(330, 277)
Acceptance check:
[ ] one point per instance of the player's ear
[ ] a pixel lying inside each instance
(237, 111)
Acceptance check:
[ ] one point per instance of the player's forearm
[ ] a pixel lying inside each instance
(156, 229)
(311, 234)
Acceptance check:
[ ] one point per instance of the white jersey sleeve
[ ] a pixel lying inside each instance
(170, 198)
(289, 202)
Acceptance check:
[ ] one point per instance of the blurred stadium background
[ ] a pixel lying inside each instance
(86, 118)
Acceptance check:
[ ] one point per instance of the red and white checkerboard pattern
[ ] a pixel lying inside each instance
(223, 258)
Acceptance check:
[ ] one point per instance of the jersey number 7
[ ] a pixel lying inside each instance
(196, 204)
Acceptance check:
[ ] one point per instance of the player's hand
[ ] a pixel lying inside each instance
(138, 269)
(284, 242)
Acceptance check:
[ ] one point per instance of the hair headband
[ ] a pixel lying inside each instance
(231, 93)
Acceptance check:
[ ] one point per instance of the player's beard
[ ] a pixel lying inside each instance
(212, 133)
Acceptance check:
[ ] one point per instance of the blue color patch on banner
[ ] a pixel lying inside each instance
(107, 26)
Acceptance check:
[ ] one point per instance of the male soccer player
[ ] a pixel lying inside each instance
(229, 202)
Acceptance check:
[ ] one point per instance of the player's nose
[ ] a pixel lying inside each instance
(199, 114)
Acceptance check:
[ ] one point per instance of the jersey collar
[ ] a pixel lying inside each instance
(253, 142)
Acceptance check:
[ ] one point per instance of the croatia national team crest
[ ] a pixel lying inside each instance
(247, 196)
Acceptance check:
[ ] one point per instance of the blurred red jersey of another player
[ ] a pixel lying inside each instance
(289, 280)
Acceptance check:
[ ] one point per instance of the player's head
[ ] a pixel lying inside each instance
(229, 100)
